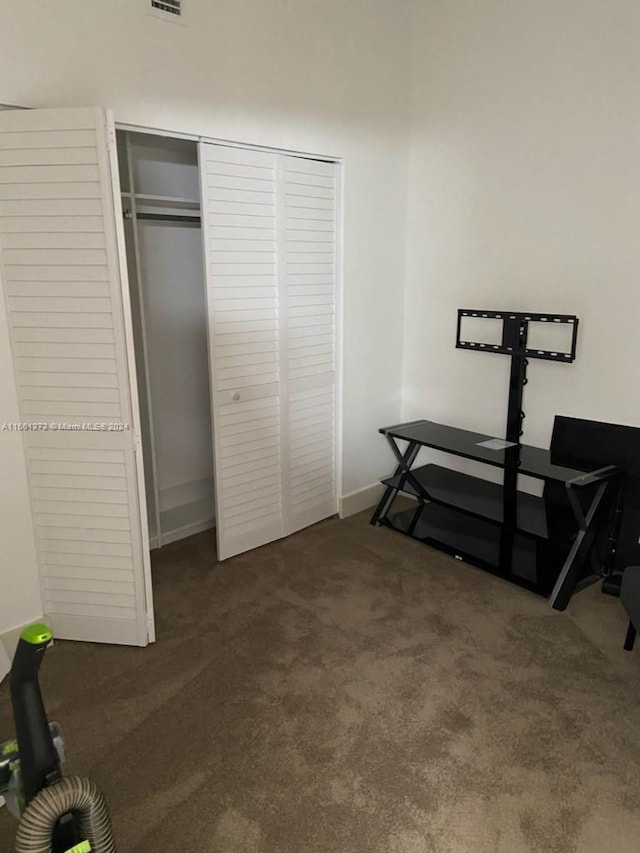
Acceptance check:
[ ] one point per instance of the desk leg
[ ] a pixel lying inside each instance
(614, 532)
(404, 465)
(589, 529)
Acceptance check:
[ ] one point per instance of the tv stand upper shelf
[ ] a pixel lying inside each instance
(534, 461)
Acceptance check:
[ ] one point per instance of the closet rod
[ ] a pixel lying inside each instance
(163, 217)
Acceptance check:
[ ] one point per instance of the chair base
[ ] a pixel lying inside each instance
(630, 638)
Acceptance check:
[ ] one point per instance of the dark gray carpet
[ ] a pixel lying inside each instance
(348, 690)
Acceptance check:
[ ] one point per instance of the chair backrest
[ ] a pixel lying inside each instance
(605, 444)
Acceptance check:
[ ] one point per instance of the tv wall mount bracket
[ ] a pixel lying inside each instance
(515, 328)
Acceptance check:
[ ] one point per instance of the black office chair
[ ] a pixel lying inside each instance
(630, 598)
(606, 444)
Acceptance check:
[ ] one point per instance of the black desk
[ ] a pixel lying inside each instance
(542, 543)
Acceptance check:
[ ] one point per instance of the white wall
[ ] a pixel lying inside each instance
(321, 77)
(524, 188)
(20, 600)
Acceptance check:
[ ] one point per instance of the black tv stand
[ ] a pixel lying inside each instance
(536, 542)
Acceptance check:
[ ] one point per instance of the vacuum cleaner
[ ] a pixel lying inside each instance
(57, 814)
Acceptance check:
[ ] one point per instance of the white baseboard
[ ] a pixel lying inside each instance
(181, 533)
(360, 500)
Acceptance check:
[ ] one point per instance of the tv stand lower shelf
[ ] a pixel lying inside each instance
(542, 543)
(476, 541)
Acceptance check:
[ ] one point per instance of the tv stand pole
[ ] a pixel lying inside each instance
(514, 340)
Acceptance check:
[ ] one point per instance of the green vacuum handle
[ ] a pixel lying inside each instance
(29, 652)
(39, 763)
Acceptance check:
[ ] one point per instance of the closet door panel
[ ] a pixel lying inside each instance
(60, 250)
(239, 231)
(308, 214)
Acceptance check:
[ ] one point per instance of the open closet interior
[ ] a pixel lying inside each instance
(159, 181)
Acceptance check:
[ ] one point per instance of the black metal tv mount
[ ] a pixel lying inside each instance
(515, 327)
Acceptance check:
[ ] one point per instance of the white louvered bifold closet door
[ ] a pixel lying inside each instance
(271, 304)
(240, 237)
(307, 194)
(61, 264)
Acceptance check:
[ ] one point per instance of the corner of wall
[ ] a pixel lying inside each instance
(9, 641)
(5, 663)
(412, 41)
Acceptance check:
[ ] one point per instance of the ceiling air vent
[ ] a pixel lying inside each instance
(171, 9)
